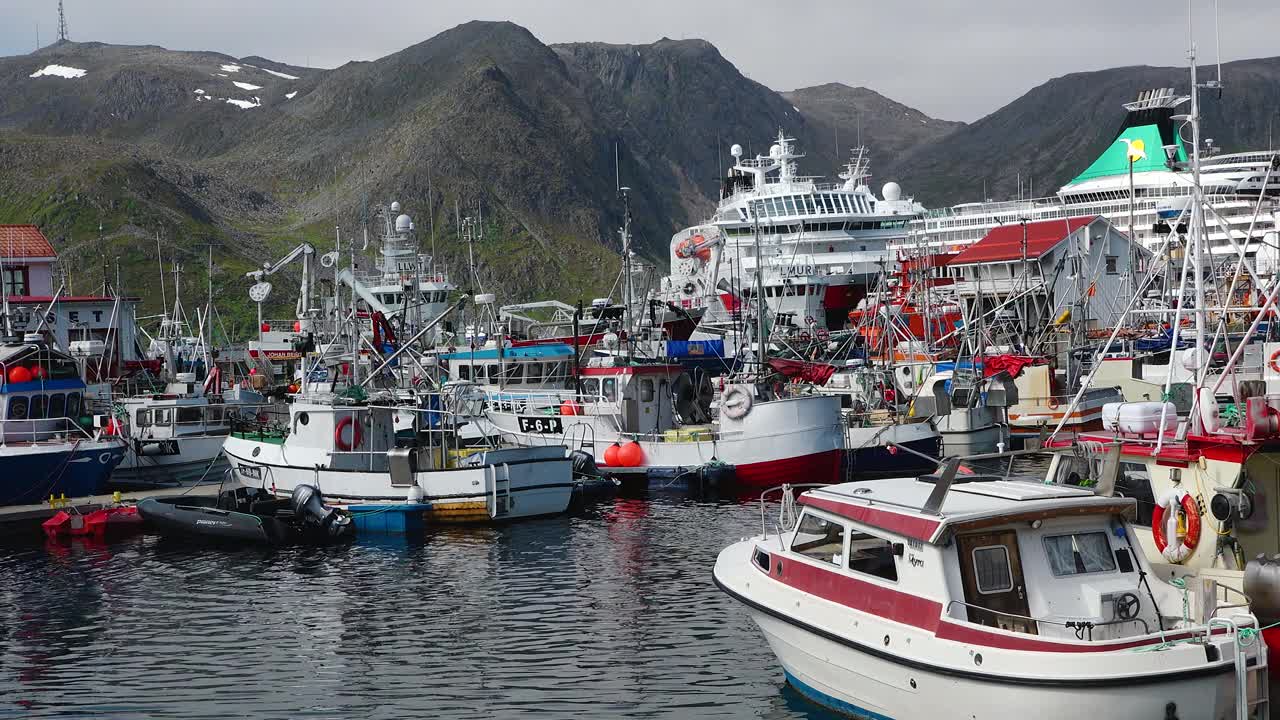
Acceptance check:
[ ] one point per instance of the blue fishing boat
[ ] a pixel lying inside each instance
(48, 445)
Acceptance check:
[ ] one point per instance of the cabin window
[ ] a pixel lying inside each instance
(1079, 553)
(303, 418)
(533, 372)
(555, 372)
(57, 405)
(646, 390)
(190, 416)
(609, 388)
(495, 373)
(515, 373)
(1113, 265)
(464, 372)
(73, 404)
(1133, 481)
(214, 413)
(37, 407)
(873, 556)
(991, 567)
(144, 418)
(819, 538)
(18, 406)
(163, 416)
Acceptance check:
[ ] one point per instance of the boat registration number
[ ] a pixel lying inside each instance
(250, 471)
(541, 424)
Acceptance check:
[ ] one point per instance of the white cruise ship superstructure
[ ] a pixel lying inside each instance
(1233, 184)
(820, 244)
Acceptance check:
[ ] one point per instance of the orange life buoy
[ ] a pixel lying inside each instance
(357, 435)
(1053, 403)
(1274, 362)
(1165, 525)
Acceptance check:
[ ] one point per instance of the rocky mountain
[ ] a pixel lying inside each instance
(252, 156)
(1050, 134)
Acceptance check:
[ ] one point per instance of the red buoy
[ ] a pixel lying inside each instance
(631, 455)
(297, 326)
(570, 407)
(19, 374)
(266, 327)
(38, 371)
(611, 455)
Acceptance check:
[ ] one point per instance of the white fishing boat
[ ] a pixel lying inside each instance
(920, 598)
(398, 481)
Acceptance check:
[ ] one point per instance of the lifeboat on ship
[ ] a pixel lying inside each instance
(975, 596)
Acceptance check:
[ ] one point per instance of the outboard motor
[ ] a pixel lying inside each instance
(584, 465)
(308, 504)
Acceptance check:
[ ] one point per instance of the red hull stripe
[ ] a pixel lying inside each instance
(908, 525)
(851, 592)
(823, 467)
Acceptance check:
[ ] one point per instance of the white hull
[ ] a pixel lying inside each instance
(181, 460)
(511, 484)
(835, 675)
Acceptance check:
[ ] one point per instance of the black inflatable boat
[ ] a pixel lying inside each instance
(252, 515)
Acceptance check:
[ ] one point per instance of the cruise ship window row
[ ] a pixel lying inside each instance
(811, 226)
(812, 204)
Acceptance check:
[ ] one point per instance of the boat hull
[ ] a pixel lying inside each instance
(31, 472)
(179, 461)
(892, 451)
(868, 685)
(530, 484)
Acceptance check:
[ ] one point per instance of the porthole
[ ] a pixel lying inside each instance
(303, 418)
(256, 451)
(977, 659)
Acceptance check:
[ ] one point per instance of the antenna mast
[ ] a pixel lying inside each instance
(62, 23)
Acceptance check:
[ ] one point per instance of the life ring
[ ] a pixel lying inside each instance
(1274, 361)
(357, 435)
(736, 402)
(1165, 521)
(1053, 403)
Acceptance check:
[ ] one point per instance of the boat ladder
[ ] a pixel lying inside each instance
(586, 439)
(499, 482)
(1252, 686)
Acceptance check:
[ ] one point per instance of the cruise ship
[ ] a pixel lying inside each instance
(820, 245)
(1241, 190)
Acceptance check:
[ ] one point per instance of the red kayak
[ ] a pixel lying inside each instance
(106, 522)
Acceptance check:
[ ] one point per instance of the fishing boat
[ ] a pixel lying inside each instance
(941, 597)
(351, 451)
(48, 447)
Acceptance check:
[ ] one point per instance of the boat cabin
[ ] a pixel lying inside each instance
(534, 367)
(42, 392)
(968, 554)
(640, 396)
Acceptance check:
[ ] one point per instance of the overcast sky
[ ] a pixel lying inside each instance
(954, 59)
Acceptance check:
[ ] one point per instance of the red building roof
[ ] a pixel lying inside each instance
(24, 241)
(1004, 243)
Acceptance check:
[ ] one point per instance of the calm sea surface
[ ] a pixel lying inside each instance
(610, 612)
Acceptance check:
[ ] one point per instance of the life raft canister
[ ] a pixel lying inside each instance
(1175, 523)
(357, 435)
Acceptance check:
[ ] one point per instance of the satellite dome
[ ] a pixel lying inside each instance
(736, 150)
(774, 151)
(404, 224)
(891, 191)
(395, 206)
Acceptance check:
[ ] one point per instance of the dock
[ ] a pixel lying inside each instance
(24, 520)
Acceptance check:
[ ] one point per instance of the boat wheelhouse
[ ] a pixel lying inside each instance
(943, 597)
(532, 367)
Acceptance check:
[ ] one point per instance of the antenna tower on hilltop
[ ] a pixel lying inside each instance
(62, 23)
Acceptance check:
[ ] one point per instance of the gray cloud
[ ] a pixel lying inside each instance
(950, 58)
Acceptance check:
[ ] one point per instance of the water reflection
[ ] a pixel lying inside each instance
(607, 613)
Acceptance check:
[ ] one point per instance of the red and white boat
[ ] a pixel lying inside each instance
(627, 411)
(919, 598)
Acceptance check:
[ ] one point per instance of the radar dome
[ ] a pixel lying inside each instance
(774, 151)
(404, 224)
(736, 150)
(891, 191)
(395, 206)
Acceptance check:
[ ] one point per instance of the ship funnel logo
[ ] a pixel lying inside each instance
(1136, 149)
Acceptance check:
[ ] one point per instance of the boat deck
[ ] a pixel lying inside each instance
(24, 520)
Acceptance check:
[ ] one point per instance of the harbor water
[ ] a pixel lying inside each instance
(609, 612)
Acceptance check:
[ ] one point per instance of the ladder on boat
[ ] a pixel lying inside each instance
(1252, 676)
(498, 480)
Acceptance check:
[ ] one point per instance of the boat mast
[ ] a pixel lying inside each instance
(627, 290)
